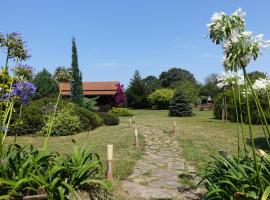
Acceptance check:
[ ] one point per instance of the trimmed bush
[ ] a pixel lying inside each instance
(179, 106)
(66, 122)
(121, 112)
(109, 119)
(89, 120)
(161, 98)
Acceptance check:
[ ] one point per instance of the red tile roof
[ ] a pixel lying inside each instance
(92, 88)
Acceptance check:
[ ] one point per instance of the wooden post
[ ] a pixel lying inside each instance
(174, 128)
(136, 140)
(109, 162)
(222, 152)
(129, 122)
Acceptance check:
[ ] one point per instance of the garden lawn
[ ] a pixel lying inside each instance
(200, 136)
(125, 154)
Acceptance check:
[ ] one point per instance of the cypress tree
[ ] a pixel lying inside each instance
(76, 81)
(179, 105)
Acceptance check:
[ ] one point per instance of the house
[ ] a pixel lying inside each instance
(104, 90)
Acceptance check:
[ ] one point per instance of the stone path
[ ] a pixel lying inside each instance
(156, 175)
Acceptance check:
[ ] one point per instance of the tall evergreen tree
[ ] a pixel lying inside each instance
(136, 93)
(76, 80)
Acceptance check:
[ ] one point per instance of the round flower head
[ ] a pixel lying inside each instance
(261, 85)
(24, 90)
(229, 78)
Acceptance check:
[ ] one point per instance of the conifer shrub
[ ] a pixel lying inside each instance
(109, 119)
(179, 105)
(121, 112)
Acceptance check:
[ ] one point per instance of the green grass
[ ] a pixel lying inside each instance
(125, 154)
(200, 136)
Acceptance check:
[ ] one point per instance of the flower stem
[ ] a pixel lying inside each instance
(52, 120)
(251, 130)
(237, 121)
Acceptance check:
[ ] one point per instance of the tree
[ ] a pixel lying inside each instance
(120, 96)
(210, 87)
(175, 74)
(46, 86)
(63, 74)
(179, 106)
(76, 81)
(136, 93)
(256, 75)
(151, 83)
(190, 90)
(161, 98)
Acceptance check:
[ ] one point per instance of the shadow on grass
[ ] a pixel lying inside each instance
(260, 143)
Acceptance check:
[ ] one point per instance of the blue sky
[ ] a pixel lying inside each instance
(114, 38)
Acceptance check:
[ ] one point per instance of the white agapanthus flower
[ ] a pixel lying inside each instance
(229, 78)
(240, 13)
(261, 84)
(262, 43)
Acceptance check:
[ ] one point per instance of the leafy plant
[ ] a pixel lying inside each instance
(109, 119)
(123, 112)
(65, 122)
(161, 98)
(231, 178)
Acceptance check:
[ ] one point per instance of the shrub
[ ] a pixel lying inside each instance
(179, 106)
(89, 120)
(161, 98)
(90, 103)
(46, 85)
(228, 178)
(109, 119)
(190, 89)
(32, 116)
(65, 122)
(255, 117)
(123, 112)
(24, 170)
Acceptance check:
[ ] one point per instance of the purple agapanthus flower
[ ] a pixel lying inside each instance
(24, 90)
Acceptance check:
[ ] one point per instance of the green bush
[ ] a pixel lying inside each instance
(24, 170)
(109, 119)
(226, 176)
(32, 116)
(65, 122)
(161, 98)
(255, 117)
(89, 120)
(179, 105)
(123, 112)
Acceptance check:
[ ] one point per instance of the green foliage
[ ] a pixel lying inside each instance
(109, 119)
(168, 78)
(123, 112)
(209, 88)
(254, 114)
(190, 90)
(228, 178)
(255, 75)
(90, 103)
(65, 122)
(76, 81)
(46, 85)
(151, 83)
(136, 93)
(23, 171)
(161, 98)
(179, 105)
(89, 120)
(63, 74)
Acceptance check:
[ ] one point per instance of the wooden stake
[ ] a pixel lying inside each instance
(129, 122)
(110, 162)
(174, 127)
(136, 140)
